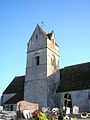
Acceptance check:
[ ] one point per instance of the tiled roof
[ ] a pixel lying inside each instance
(76, 77)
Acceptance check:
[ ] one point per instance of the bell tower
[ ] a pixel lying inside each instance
(42, 68)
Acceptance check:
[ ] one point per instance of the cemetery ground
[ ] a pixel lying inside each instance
(84, 119)
(8, 115)
(23, 108)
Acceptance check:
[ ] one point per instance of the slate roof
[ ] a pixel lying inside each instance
(18, 97)
(75, 77)
(16, 86)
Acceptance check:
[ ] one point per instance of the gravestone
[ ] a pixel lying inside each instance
(45, 109)
(1, 108)
(75, 110)
(67, 110)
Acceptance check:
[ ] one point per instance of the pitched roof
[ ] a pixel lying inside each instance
(17, 85)
(40, 29)
(46, 34)
(15, 99)
(76, 77)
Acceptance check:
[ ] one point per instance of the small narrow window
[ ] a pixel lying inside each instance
(11, 107)
(36, 36)
(89, 95)
(37, 60)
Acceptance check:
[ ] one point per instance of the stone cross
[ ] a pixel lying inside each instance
(67, 100)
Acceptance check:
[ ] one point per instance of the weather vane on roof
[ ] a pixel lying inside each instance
(42, 24)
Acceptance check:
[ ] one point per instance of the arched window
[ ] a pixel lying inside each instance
(67, 100)
(36, 59)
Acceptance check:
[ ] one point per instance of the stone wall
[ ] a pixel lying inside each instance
(41, 80)
(79, 98)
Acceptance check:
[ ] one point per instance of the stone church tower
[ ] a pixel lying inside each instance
(42, 68)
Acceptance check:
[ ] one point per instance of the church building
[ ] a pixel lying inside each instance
(44, 82)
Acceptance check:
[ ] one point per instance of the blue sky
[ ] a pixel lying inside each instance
(70, 20)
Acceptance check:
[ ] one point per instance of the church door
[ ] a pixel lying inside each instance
(68, 101)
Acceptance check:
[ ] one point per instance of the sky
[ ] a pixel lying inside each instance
(69, 19)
